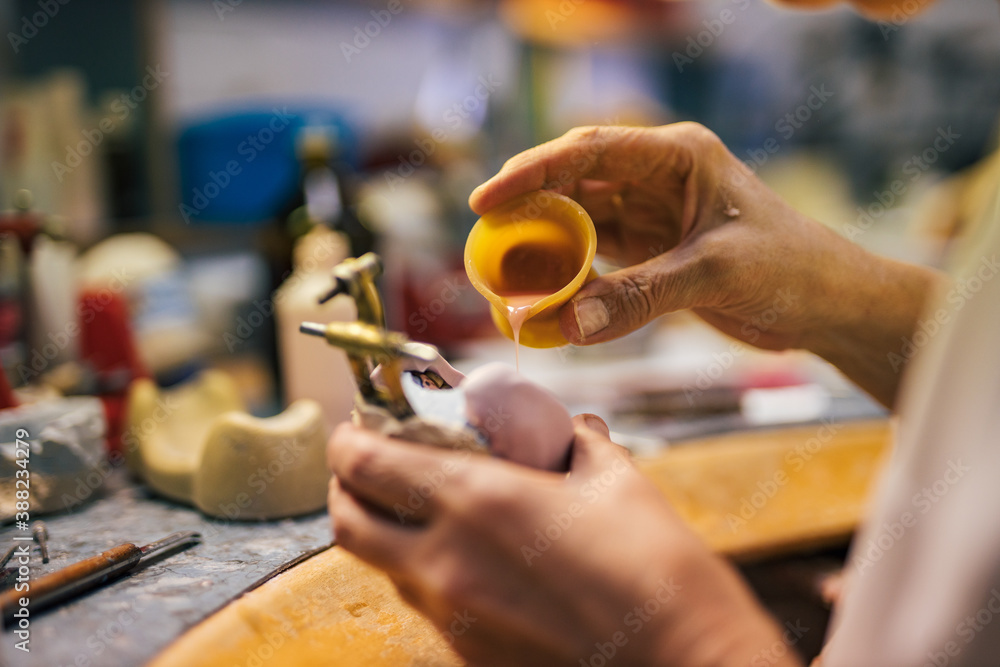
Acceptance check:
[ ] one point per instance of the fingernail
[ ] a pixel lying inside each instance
(591, 316)
(595, 423)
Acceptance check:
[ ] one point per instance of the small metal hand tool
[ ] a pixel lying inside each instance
(78, 578)
(40, 532)
(7, 555)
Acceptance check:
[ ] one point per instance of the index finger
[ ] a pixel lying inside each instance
(398, 477)
(608, 153)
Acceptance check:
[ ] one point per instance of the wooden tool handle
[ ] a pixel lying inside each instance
(71, 580)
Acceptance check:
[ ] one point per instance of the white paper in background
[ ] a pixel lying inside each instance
(784, 405)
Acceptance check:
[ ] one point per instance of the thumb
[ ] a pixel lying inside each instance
(592, 450)
(620, 302)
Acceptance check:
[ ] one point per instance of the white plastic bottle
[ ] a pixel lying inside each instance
(309, 367)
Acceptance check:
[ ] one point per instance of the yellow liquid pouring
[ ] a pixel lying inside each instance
(532, 272)
(518, 307)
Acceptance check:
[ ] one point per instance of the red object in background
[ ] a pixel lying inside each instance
(25, 226)
(107, 346)
(774, 378)
(10, 320)
(7, 398)
(443, 309)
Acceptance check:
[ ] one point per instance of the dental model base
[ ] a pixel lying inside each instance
(407, 390)
(197, 445)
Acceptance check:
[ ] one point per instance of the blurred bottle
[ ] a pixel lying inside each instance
(35, 305)
(325, 196)
(426, 292)
(11, 311)
(309, 367)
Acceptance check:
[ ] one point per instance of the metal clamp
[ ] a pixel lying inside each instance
(367, 342)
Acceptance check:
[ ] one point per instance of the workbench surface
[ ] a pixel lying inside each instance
(130, 621)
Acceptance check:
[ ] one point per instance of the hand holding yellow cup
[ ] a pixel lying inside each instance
(536, 251)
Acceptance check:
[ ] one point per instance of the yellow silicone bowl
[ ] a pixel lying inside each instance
(541, 242)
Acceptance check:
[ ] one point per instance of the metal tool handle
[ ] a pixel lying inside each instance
(72, 580)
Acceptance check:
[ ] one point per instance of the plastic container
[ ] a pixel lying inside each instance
(539, 244)
(311, 368)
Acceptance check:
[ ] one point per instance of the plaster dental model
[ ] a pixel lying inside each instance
(513, 417)
(523, 421)
(197, 445)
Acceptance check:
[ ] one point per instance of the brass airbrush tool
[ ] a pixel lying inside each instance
(356, 278)
(438, 420)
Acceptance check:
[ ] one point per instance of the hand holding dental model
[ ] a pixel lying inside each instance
(701, 233)
(550, 569)
(553, 566)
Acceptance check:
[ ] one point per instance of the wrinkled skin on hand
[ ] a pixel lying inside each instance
(523, 567)
(694, 228)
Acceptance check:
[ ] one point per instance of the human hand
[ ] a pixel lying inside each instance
(519, 566)
(696, 229)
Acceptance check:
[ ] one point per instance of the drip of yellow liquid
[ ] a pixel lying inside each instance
(518, 308)
(530, 272)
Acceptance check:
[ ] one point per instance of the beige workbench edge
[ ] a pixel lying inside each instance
(331, 609)
(769, 492)
(805, 486)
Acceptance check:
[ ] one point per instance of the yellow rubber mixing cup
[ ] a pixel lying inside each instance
(540, 244)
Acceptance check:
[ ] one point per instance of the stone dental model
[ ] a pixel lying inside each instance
(197, 445)
(514, 418)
